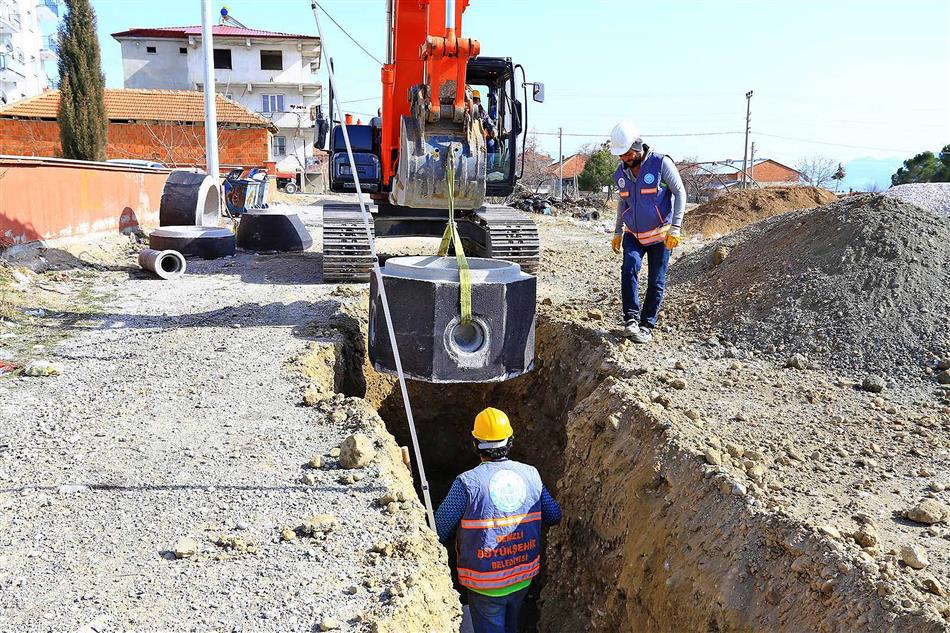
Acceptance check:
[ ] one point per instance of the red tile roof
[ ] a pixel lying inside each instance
(182, 106)
(218, 30)
(573, 166)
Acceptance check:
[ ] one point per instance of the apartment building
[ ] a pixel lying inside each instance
(27, 47)
(267, 72)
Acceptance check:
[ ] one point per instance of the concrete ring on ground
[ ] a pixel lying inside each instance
(272, 231)
(190, 199)
(206, 242)
(435, 346)
(166, 264)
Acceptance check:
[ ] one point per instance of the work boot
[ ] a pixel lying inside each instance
(643, 335)
(631, 328)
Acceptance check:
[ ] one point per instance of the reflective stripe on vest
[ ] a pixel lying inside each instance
(498, 580)
(499, 543)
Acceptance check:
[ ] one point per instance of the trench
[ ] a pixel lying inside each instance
(649, 541)
(537, 403)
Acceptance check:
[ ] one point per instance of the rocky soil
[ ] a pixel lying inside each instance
(708, 484)
(933, 196)
(172, 478)
(858, 286)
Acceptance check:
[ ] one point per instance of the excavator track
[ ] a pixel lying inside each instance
(346, 253)
(510, 235)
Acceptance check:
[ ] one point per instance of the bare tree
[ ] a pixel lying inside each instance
(817, 170)
(873, 187)
(536, 163)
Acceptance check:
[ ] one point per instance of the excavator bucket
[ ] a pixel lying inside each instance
(426, 148)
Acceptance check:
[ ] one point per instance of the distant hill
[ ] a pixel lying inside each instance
(861, 171)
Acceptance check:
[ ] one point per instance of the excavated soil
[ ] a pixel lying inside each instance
(657, 537)
(705, 486)
(736, 209)
(859, 286)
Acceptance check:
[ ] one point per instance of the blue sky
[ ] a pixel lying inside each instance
(843, 79)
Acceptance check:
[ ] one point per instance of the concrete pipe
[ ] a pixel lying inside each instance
(165, 264)
(190, 199)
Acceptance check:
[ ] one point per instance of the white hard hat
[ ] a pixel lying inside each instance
(625, 137)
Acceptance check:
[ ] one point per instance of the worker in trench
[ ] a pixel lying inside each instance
(496, 511)
(649, 220)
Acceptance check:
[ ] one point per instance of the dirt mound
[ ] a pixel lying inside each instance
(735, 210)
(858, 285)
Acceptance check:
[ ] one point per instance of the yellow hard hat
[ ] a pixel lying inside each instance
(476, 94)
(492, 425)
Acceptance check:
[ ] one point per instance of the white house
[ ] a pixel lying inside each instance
(25, 49)
(264, 71)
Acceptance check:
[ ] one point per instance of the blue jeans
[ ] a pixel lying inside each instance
(658, 259)
(499, 614)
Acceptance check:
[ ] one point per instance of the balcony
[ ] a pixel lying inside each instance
(11, 68)
(9, 17)
(50, 48)
(48, 10)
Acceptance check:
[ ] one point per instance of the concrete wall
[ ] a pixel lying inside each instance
(57, 200)
(169, 143)
(167, 69)
(246, 63)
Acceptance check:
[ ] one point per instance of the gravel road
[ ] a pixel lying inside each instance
(177, 417)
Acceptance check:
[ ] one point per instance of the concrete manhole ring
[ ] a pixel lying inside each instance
(194, 241)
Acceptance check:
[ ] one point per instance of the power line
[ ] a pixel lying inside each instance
(604, 135)
(346, 33)
(805, 140)
(361, 100)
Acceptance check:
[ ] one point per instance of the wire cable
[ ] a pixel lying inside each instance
(346, 33)
(382, 287)
(605, 135)
(805, 140)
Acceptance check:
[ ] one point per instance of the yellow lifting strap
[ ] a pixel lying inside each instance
(452, 235)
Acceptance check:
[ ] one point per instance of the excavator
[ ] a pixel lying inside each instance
(446, 111)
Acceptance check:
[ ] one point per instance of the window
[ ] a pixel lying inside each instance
(279, 146)
(151, 50)
(272, 103)
(272, 60)
(183, 50)
(222, 58)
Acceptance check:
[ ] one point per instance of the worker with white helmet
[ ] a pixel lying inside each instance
(649, 220)
(497, 508)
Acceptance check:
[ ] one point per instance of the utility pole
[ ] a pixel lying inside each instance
(745, 146)
(211, 113)
(560, 165)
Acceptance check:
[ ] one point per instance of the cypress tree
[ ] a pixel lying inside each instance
(82, 110)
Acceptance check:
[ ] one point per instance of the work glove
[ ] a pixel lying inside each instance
(672, 238)
(615, 243)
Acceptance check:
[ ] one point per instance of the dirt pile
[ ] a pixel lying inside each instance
(736, 209)
(933, 196)
(859, 285)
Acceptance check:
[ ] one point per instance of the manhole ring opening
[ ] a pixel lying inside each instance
(467, 338)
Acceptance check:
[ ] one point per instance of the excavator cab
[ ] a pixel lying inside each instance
(492, 79)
